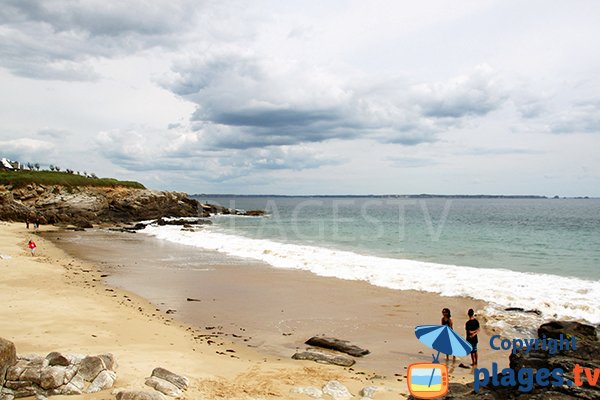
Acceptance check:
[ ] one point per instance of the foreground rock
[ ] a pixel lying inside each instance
(8, 358)
(139, 395)
(338, 345)
(55, 374)
(325, 358)
(336, 390)
(167, 382)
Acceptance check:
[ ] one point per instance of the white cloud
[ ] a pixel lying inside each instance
(27, 150)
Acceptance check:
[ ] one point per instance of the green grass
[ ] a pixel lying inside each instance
(23, 178)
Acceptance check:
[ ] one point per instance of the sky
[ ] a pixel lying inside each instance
(310, 97)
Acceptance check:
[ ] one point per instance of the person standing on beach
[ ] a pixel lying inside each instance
(32, 246)
(472, 328)
(447, 320)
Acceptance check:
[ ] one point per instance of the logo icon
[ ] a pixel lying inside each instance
(430, 380)
(427, 380)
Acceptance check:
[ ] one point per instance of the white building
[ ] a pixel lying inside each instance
(6, 164)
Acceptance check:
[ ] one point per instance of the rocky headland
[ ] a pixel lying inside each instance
(83, 206)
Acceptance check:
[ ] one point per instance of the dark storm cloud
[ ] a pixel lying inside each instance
(276, 118)
(57, 39)
(244, 101)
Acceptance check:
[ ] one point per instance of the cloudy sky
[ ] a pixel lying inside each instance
(307, 97)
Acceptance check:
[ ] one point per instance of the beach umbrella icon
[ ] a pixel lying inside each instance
(443, 339)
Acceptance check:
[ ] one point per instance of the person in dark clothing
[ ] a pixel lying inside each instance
(447, 320)
(472, 329)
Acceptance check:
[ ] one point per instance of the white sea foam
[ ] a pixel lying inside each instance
(555, 296)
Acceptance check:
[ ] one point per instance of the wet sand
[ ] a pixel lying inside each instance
(273, 310)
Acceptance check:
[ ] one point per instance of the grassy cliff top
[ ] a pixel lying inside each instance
(23, 178)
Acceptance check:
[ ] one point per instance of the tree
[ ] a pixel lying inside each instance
(57, 168)
(37, 166)
(30, 166)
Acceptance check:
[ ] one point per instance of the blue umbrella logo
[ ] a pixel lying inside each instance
(443, 339)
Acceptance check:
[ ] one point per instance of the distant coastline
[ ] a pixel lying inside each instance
(395, 196)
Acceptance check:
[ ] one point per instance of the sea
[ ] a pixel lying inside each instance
(538, 255)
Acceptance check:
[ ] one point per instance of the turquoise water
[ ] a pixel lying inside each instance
(548, 236)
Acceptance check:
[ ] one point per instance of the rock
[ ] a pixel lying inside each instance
(520, 309)
(336, 344)
(74, 359)
(163, 386)
(336, 390)
(90, 367)
(139, 395)
(253, 213)
(52, 377)
(554, 329)
(8, 358)
(368, 392)
(17, 385)
(183, 222)
(6, 394)
(32, 373)
(77, 382)
(179, 381)
(70, 372)
(326, 358)
(311, 391)
(104, 380)
(14, 373)
(56, 358)
(69, 389)
(109, 361)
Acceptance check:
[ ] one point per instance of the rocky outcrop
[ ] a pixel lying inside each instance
(82, 206)
(55, 374)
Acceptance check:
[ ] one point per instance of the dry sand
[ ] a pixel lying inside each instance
(54, 302)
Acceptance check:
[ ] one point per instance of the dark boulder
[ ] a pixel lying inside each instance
(336, 344)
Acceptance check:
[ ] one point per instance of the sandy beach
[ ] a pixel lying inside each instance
(110, 299)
